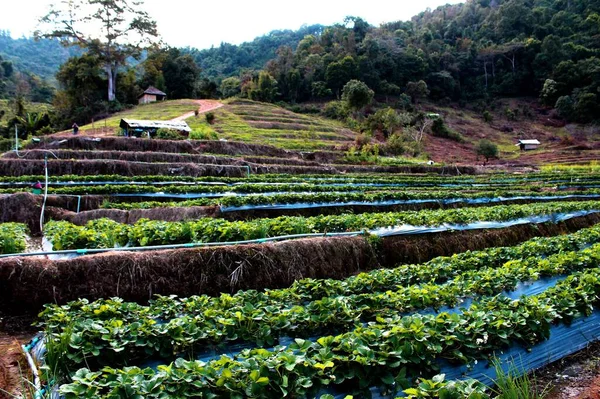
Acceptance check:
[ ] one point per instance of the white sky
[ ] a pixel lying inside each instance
(200, 24)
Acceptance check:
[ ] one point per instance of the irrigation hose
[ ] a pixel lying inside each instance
(36, 375)
(188, 245)
(379, 232)
(45, 192)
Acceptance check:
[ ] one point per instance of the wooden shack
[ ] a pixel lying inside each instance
(528, 145)
(150, 95)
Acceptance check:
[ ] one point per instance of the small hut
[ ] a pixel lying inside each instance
(138, 128)
(528, 145)
(150, 95)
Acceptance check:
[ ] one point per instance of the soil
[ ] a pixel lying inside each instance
(560, 142)
(205, 106)
(13, 365)
(34, 244)
(575, 376)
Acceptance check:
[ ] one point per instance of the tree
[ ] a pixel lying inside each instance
(339, 73)
(586, 108)
(125, 31)
(417, 90)
(357, 94)
(386, 121)
(486, 149)
(265, 89)
(230, 87)
(82, 91)
(565, 107)
(181, 75)
(549, 93)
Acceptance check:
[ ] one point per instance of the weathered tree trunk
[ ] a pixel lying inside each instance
(111, 73)
(486, 73)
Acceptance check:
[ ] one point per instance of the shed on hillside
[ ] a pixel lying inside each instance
(137, 128)
(526, 145)
(150, 95)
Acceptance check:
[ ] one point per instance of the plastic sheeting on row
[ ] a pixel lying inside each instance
(219, 195)
(444, 201)
(564, 340)
(404, 229)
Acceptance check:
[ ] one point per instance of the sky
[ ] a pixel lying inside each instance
(202, 24)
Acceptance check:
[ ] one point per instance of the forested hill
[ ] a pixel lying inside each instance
(41, 57)
(464, 52)
(230, 60)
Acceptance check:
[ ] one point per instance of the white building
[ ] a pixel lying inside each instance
(527, 145)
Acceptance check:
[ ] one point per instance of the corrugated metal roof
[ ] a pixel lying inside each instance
(182, 126)
(529, 142)
(154, 90)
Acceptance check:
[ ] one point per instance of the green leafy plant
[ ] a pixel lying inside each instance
(13, 238)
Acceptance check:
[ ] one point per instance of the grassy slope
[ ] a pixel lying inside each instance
(255, 122)
(163, 110)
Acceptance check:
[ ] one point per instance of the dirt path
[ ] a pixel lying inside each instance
(205, 106)
(573, 377)
(13, 365)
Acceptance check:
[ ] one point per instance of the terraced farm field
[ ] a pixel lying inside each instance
(170, 269)
(249, 121)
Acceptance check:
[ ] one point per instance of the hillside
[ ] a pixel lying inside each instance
(41, 57)
(253, 122)
(561, 143)
(230, 59)
(240, 120)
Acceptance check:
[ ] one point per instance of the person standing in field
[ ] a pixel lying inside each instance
(75, 128)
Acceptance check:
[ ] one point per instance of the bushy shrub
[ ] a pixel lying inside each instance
(486, 149)
(487, 116)
(401, 143)
(361, 140)
(336, 110)
(511, 115)
(203, 133)
(168, 134)
(210, 117)
(369, 153)
(440, 129)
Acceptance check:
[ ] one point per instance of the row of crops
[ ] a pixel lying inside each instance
(563, 177)
(105, 233)
(376, 329)
(383, 333)
(13, 238)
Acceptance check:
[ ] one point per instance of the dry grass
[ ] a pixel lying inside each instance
(26, 284)
(21, 167)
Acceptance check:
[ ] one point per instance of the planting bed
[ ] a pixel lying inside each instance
(374, 333)
(225, 269)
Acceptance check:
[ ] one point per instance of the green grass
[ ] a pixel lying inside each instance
(592, 167)
(163, 110)
(515, 383)
(261, 123)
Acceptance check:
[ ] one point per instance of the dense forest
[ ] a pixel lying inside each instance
(467, 53)
(39, 57)
(231, 60)
(463, 52)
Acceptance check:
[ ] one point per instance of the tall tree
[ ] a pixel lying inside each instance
(126, 31)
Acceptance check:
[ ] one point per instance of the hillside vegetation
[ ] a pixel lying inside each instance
(263, 123)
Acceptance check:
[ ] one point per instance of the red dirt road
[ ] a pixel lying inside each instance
(205, 106)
